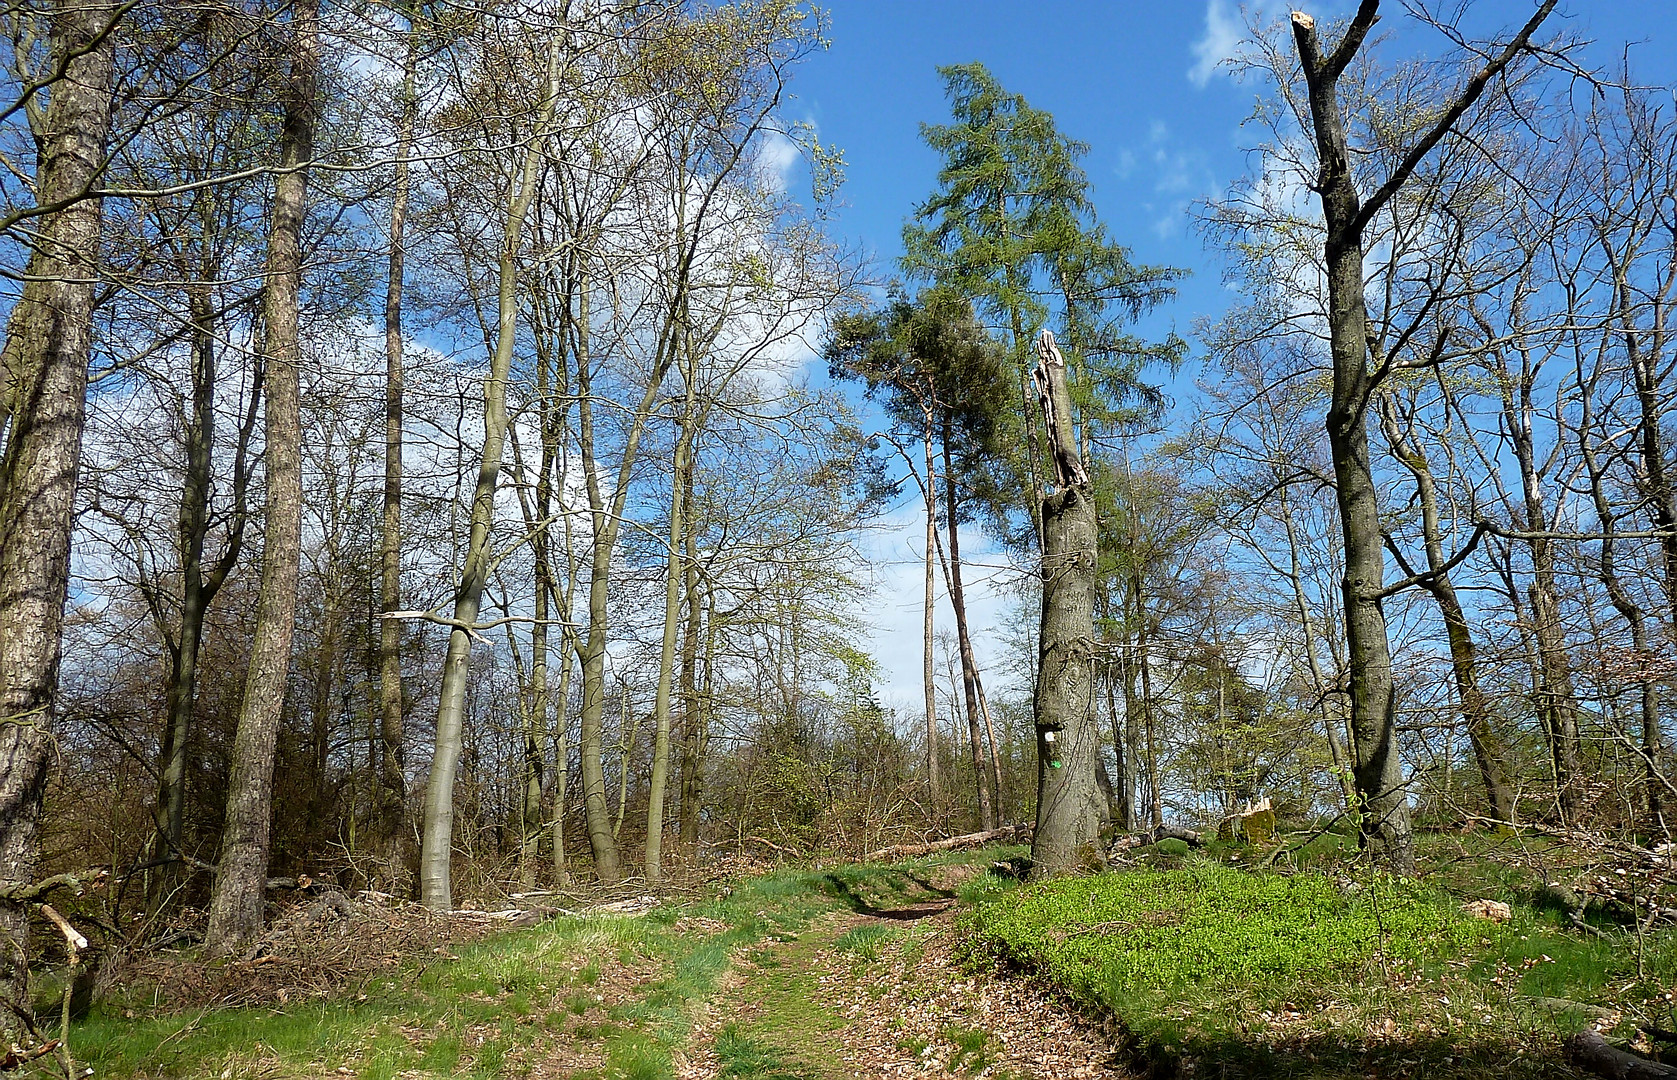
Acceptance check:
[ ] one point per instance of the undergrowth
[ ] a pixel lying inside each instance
(1323, 972)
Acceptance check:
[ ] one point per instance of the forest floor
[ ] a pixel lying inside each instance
(912, 970)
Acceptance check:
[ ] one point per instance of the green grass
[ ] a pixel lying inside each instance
(466, 1017)
(865, 941)
(971, 1049)
(483, 1012)
(744, 1057)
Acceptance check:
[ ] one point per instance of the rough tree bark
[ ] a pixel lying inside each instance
(392, 782)
(1067, 739)
(236, 903)
(44, 387)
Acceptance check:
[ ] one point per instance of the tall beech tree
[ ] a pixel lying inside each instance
(437, 838)
(1383, 799)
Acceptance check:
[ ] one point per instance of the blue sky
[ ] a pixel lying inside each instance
(1133, 80)
(1137, 82)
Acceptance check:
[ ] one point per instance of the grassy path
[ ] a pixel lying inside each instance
(872, 990)
(790, 976)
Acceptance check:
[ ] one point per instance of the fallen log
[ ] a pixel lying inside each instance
(907, 851)
(1589, 1051)
(1175, 832)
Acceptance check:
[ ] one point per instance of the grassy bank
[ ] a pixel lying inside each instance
(1329, 971)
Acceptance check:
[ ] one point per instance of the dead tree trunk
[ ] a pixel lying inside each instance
(1067, 741)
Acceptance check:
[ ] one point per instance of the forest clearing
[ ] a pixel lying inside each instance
(937, 967)
(545, 537)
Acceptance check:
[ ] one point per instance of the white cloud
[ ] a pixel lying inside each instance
(894, 625)
(781, 158)
(1222, 34)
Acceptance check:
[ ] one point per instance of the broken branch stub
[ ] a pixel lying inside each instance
(1049, 378)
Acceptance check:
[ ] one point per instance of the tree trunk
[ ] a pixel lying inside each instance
(1476, 712)
(1068, 743)
(990, 741)
(536, 705)
(1653, 744)
(392, 714)
(44, 379)
(1382, 802)
(1149, 715)
(562, 774)
(325, 680)
(666, 657)
(928, 621)
(437, 841)
(1648, 374)
(237, 901)
(591, 651)
(197, 589)
(1330, 724)
(692, 718)
(1122, 782)
(969, 665)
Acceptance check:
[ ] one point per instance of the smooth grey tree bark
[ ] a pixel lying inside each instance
(437, 838)
(237, 899)
(43, 390)
(1068, 740)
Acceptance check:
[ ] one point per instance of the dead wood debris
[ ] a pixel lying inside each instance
(315, 948)
(905, 851)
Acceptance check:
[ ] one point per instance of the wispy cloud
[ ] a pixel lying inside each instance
(1222, 34)
(781, 160)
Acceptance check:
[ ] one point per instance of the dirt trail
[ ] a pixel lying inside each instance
(875, 993)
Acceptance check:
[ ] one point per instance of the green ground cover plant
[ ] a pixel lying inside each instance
(1327, 971)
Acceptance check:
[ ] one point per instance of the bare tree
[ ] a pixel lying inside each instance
(237, 902)
(44, 371)
(1383, 800)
